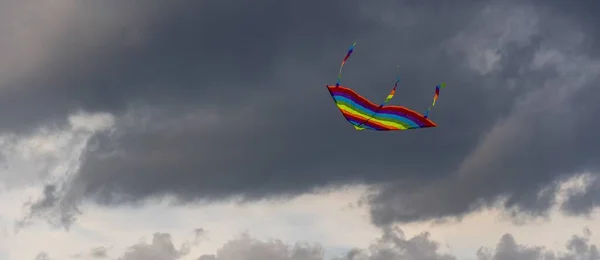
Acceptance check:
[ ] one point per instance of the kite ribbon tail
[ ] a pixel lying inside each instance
(392, 93)
(435, 97)
(350, 50)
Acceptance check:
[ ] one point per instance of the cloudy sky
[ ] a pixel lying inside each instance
(202, 130)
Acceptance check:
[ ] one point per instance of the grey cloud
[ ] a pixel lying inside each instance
(525, 155)
(99, 252)
(199, 234)
(57, 208)
(220, 99)
(583, 202)
(394, 245)
(189, 53)
(49, 45)
(161, 248)
(508, 248)
(578, 247)
(186, 146)
(42, 256)
(391, 245)
(246, 247)
(197, 153)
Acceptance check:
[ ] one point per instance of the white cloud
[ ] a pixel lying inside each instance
(50, 153)
(331, 219)
(326, 219)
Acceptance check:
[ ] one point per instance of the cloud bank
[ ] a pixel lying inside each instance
(393, 244)
(212, 100)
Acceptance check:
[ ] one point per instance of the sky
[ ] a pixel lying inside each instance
(202, 130)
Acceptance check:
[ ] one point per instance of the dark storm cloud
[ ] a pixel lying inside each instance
(279, 137)
(521, 159)
(218, 98)
(583, 202)
(243, 99)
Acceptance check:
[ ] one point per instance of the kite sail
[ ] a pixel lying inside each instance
(364, 114)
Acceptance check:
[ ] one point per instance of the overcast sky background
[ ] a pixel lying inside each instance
(203, 130)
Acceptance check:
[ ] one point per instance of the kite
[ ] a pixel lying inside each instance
(364, 114)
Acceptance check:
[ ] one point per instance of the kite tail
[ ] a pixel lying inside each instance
(350, 50)
(393, 92)
(435, 97)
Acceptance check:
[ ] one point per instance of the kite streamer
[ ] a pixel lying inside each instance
(364, 114)
(350, 50)
(393, 92)
(435, 97)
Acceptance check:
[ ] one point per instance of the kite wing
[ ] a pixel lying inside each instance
(364, 114)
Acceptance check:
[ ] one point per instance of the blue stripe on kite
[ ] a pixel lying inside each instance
(351, 97)
(381, 115)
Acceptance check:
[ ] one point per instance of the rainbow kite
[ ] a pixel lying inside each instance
(364, 114)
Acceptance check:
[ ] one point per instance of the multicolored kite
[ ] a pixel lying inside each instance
(364, 114)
